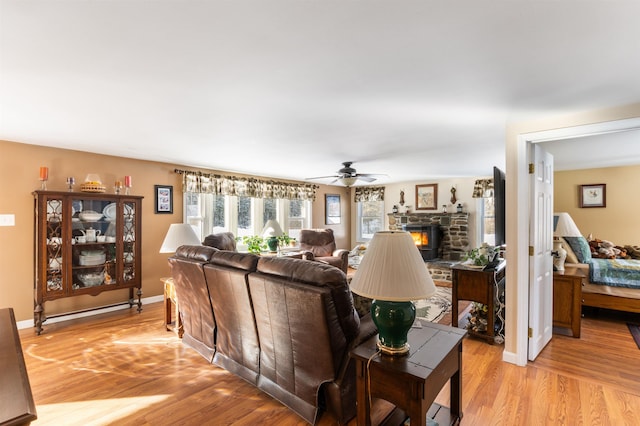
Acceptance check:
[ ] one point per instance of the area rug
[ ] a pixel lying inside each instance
(635, 332)
(435, 308)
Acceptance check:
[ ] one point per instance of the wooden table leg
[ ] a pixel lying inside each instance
(363, 407)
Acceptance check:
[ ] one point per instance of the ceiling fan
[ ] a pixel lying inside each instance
(348, 176)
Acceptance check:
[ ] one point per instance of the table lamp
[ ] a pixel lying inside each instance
(271, 232)
(179, 234)
(563, 226)
(393, 273)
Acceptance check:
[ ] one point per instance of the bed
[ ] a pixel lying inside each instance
(612, 283)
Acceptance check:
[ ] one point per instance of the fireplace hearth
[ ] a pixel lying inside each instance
(426, 238)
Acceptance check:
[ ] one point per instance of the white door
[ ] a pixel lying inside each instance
(541, 241)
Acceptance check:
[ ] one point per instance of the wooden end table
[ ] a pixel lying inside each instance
(412, 382)
(171, 304)
(567, 299)
(477, 285)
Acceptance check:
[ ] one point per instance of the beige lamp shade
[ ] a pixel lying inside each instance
(393, 270)
(179, 234)
(565, 226)
(272, 229)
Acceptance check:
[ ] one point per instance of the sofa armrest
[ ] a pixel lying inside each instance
(341, 253)
(307, 255)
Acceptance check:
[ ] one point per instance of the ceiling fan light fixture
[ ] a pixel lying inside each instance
(348, 181)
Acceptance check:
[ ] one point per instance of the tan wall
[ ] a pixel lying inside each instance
(617, 222)
(19, 166)
(342, 231)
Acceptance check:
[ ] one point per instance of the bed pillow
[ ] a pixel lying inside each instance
(580, 247)
(571, 256)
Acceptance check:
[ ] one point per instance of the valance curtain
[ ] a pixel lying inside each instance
(483, 188)
(368, 193)
(245, 187)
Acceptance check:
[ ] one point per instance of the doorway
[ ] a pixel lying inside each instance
(517, 291)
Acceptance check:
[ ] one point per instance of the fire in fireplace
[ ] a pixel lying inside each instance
(427, 239)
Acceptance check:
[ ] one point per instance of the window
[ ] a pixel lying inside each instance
(487, 220)
(244, 216)
(370, 219)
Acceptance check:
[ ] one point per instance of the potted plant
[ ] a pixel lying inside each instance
(483, 255)
(255, 243)
(285, 240)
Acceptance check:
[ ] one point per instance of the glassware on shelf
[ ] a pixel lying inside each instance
(70, 182)
(127, 184)
(44, 177)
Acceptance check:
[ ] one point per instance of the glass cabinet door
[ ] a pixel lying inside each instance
(54, 253)
(129, 230)
(93, 225)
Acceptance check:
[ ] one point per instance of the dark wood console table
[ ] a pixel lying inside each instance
(16, 401)
(477, 285)
(412, 382)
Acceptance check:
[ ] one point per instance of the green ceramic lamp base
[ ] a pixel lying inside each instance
(394, 320)
(272, 243)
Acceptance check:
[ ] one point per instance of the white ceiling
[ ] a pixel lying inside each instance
(291, 89)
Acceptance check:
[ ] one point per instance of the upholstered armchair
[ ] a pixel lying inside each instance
(320, 245)
(221, 241)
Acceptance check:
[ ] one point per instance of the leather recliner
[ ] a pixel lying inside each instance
(221, 241)
(320, 245)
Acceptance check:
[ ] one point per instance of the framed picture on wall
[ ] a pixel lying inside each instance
(164, 198)
(594, 195)
(332, 209)
(427, 196)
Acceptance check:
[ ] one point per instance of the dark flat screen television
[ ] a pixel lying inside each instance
(499, 194)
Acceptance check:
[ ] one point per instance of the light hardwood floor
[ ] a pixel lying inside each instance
(123, 368)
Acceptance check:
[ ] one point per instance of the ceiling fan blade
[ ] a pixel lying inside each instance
(365, 178)
(322, 177)
(372, 174)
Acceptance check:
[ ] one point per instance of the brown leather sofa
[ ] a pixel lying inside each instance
(320, 245)
(285, 325)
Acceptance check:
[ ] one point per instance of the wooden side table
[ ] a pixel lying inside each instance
(171, 303)
(477, 285)
(567, 299)
(413, 381)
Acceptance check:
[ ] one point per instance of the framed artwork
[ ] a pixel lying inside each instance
(427, 197)
(164, 198)
(332, 209)
(593, 195)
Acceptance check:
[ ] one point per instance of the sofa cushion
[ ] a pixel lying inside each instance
(237, 344)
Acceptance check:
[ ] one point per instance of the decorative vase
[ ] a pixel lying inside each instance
(560, 254)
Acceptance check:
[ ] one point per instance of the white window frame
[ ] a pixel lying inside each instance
(481, 236)
(231, 214)
(359, 237)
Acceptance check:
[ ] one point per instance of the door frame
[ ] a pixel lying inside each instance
(518, 283)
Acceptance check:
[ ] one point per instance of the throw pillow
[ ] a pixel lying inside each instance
(571, 256)
(580, 247)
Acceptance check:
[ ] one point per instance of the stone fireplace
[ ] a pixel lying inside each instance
(454, 238)
(426, 238)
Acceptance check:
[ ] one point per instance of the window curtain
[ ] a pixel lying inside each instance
(368, 193)
(483, 188)
(245, 187)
